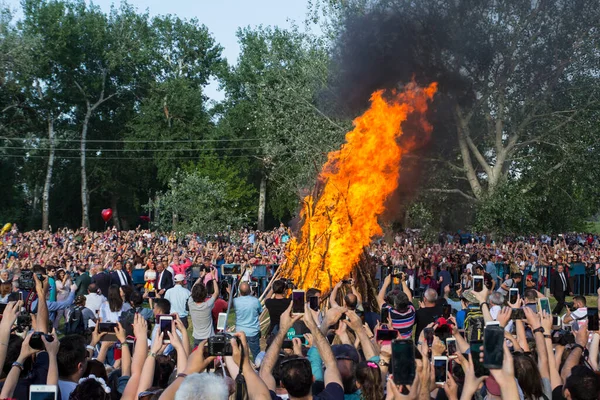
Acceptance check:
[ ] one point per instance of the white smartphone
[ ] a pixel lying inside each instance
(440, 368)
(166, 324)
(477, 283)
(513, 295)
(43, 392)
(298, 300)
(492, 323)
(221, 321)
(451, 346)
(544, 305)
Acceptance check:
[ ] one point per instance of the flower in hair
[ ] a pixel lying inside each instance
(99, 380)
(372, 364)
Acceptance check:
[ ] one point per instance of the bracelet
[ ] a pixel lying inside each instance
(483, 304)
(181, 375)
(547, 336)
(18, 365)
(124, 343)
(536, 330)
(151, 354)
(573, 347)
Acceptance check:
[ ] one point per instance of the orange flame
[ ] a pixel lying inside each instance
(356, 181)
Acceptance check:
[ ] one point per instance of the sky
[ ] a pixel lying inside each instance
(222, 17)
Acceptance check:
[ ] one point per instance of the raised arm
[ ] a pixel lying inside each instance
(333, 296)
(576, 352)
(383, 291)
(140, 330)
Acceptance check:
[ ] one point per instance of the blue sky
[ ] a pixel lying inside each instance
(222, 17)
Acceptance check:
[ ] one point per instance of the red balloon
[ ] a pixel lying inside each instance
(106, 214)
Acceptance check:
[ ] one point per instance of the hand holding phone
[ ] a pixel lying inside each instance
(404, 366)
(298, 300)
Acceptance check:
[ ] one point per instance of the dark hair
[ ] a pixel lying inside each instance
(279, 286)
(582, 384)
(71, 353)
(347, 370)
(516, 275)
(164, 305)
(127, 290)
(581, 299)
(528, 375)
(296, 376)
(59, 272)
(163, 368)
(136, 299)
(38, 269)
(313, 292)
(89, 389)
(530, 294)
(95, 367)
(210, 287)
(199, 293)
(401, 302)
(351, 301)
(115, 302)
(82, 268)
(93, 288)
(368, 375)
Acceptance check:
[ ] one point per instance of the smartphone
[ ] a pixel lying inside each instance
(385, 315)
(446, 311)
(287, 344)
(556, 322)
(517, 313)
(477, 283)
(151, 295)
(221, 321)
(544, 305)
(166, 324)
(480, 369)
(404, 366)
(231, 269)
(298, 302)
(493, 342)
(108, 327)
(2, 308)
(440, 368)
(386, 334)
(428, 334)
(592, 317)
(43, 392)
(513, 295)
(451, 346)
(313, 303)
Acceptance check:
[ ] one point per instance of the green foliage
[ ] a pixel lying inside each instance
(196, 203)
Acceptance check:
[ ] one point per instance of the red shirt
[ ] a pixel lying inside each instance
(219, 307)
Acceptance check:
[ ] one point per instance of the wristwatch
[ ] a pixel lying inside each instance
(383, 363)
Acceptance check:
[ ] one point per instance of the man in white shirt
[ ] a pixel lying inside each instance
(178, 297)
(579, 316)
(94, 301)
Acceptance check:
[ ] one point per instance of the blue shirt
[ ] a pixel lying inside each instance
(490, 268)
(247, 312)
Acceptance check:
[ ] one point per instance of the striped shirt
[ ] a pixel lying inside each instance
(403, 322)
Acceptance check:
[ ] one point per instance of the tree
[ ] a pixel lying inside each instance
(196, 203)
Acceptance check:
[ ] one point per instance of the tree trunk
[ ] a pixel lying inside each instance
(85, 218)
(262, 203)
(113, 204)
(48, 182)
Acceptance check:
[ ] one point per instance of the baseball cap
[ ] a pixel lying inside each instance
(179, 278)
(470, 297)
(345, 352)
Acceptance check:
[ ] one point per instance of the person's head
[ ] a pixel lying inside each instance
(517, 277)
(199, 293)
(4, 275)
(161, 306)
(560, 268)
(50, 271)
(91, 388)
(118, 265)
(93, 288)
(125, 292)
(296, 376)
(5, 288)
(401, 302)
(579, 301)
(115, 301)
(71, 357)
(351, 301)
(160, 267)
(245, 289)
(79, 300)
(530, 296)
(279, 286)
(312, 292)
(136, 299)
(96, 368)
(528, 375)
(430, 297)
(582, 384)
(82, 268)
(203, 386)
(496, 299)
(60, 274)
(179, 279)
(368, 380)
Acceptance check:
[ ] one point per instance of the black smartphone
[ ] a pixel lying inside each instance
(446, 311)
(287, 344)
(480, 369)
(428, 334)
(107, 327)
(313, 303)
(404, 366)
(513, 295)
(385, 315)
(151, 295)
(298, 302)
(592, 317)
(517, 313)
(493, 342)
(386, 334)
(2, 308)
(440, 368)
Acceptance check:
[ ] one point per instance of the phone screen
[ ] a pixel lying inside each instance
(313, 303)
(514, 293)
(517, 313)
(106, 327)
(404, 366)
(231, 269)
(2, 308)
(478, 283)
(166, 324)
(451, 346)
(493, 341)
(593, 320)
(440, 367)
(428, 334)
(298, 302)
(386, 334)
(545, 305)
(42, 396)
(385, 315)
(480, 370)
(221, 321)
(555, 320)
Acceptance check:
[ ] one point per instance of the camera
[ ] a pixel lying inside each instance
(23, 323)
(289, 284)
(563, 337)
(26, 281)
(220, 344)
(36, 342)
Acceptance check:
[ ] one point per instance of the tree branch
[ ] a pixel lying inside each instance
(454, 191)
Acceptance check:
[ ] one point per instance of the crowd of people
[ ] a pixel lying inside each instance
(139, 314)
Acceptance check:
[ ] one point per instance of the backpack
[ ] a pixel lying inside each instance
(75, 325)
(474, 325)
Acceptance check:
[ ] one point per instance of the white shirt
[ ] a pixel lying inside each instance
(158, 280)
(579, 316)
(178, 297)
(94, 301)
(112, 316)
